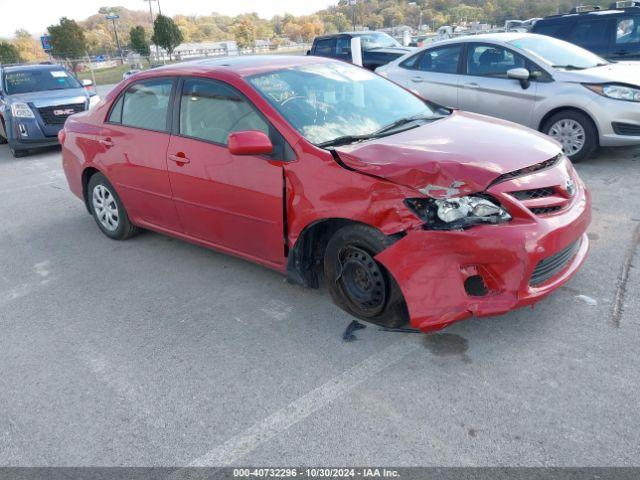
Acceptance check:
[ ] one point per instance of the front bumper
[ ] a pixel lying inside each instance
(431, 267)
(27, 133)
(606, 111)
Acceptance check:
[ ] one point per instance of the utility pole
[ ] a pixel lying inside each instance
(353, 12)
(151, 16)
(113, 17)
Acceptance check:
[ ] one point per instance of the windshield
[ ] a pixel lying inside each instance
(328, 101)
(26, 81)
(377, 40)
(558, 53)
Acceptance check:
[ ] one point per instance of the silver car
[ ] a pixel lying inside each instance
(569, 93)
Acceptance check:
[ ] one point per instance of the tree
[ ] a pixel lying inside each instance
(28, 47)
(245, 33)
(166, 34)
(8, 53)
(67, 39)
(139, 42)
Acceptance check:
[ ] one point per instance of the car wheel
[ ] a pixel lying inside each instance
(357, 283)
(3, 133)
(18, 153)
(575, 131)
(107, 209)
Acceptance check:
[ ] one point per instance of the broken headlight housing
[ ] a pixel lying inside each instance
(458, 213)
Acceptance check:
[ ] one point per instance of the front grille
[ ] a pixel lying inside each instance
(551, 266)
(58, 114)
(527, 170)
(627, 129)
(534, 193)
(545, 210)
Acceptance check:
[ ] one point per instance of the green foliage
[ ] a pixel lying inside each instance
(166, 34)
(9, 53)
(138, 40)
(245, 34)
(67, 39)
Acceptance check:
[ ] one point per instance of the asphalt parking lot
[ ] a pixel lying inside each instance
(157, 352)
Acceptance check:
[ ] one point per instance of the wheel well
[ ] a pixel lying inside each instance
(305, 261)
(86, 176)
(562, 109)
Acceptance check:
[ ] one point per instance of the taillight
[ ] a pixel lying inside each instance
(62, 135)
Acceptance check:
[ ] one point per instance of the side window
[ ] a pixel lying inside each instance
(550, 29)
(324, 47)
(411, 62)
(440, 60)
(492, 61)
(210, 111)
(116, 111)
(145, 104)
(589, 33)
(628, 30)
(343, 46)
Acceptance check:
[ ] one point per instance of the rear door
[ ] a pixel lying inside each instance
(133, 152)
(485, 87)
(592, 32)
(324, 47)
(626, 44)
(434, 74)
(232, 202)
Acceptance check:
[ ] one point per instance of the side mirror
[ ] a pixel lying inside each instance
(519, 74)
(87, 83)
(249, 142)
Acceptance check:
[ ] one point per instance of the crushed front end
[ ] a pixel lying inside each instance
(490, 268)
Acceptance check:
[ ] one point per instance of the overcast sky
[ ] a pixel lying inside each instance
(36, 15)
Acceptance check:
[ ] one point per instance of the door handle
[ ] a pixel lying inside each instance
(179, 158)
(417, 79)
(106, 142)
(471, 85)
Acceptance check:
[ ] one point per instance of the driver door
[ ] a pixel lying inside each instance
(231, 202)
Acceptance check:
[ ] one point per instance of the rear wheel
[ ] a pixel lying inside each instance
(575, 131)
(357, 283)
(107, 209)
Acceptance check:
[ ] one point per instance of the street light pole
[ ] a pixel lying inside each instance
(353, 12)
(113, 18)
(151, 15)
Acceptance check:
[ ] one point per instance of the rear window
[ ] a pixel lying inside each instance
(26, 81)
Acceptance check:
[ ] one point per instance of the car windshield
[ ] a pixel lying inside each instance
(330, 101)
(377, 40)
(26, 81)
(559, 54)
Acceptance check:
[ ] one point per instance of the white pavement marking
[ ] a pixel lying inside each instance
(242, 444)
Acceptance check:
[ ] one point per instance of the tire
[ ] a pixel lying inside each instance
(108, 210)
(18, 153)
(3, 133)
(357, 283)
(571, 126)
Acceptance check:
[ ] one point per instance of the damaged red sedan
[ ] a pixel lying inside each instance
(411, 213)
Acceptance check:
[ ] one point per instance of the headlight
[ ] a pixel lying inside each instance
(457, 213)
(617, 92)
(94, 100)
(21, 110)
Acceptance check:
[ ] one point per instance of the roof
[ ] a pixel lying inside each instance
(245, 65)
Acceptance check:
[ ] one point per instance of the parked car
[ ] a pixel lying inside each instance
(129, 73)
(320, 169)
(613, 34)
(378, 48)
(35, 101)
(571, 94)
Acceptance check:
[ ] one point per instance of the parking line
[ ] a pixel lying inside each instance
(263, 431)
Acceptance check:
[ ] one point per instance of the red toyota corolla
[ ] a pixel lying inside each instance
(321, 170)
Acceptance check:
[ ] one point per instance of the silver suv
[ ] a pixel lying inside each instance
(569, 93)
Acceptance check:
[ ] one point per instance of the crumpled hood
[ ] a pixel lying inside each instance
(622, 72)
(457, 155)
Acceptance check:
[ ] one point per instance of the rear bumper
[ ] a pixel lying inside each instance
(431, 267)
